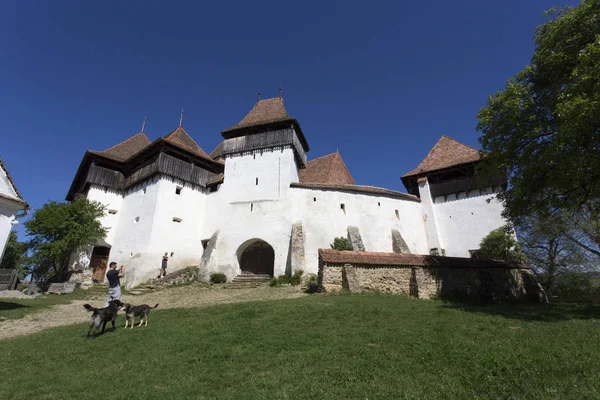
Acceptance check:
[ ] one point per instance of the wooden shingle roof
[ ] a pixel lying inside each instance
(329, 169)
(180, 138)
(264, 112)
(124, 150)
(446, 153)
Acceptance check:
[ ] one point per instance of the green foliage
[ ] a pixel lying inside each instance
(341, 243)
(218, 277)
(15, 255)
(280, 280)
(500, 244)
(549, 251)
(542, 130)
(574, 286)
(56, 231)
(296, 277)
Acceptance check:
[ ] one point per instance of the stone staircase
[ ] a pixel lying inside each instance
(248, 281)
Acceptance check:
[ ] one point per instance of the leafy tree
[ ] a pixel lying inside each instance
(15, 254)
(57, 230)
(543, 130)
(341, 243)
(549, 251)
(501, 244)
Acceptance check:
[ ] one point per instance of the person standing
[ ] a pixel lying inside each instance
(163, 265)
(114, 283)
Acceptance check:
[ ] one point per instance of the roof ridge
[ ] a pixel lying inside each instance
(126, 140)
(454, 140)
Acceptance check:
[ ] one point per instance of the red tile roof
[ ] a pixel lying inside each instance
(446, 153)
(180, 138)
(403, 259)
(357, 189)
(18, 198)
(329, 169)
(264, 112)
(122, 151)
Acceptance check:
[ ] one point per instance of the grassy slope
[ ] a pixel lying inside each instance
(18, 308)
(325, 347)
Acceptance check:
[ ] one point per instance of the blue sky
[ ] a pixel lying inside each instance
(380, 81)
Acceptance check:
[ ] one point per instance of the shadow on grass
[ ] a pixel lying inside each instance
(531, 312)
(7, 305)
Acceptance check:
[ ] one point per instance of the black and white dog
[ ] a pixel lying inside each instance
(137, 311)
(101, 316)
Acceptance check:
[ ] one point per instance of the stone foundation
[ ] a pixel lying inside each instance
(427, 277)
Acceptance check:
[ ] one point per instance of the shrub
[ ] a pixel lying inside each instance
(274, 282)
(218, 277)
(296, 278)
(341, 243)
(501, 244)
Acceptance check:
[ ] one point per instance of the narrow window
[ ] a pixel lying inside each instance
(256, 181)
(205, 243)
(314, 199)
(254, 156)
(144, 190)
(178, 190)
(343, 207)
(112, 211)
(175, 219)
(251, 207)
(379, 203)
(137, 219)
(397, 215)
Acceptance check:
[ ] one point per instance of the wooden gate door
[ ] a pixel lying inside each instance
(99, 262)
(258, 259)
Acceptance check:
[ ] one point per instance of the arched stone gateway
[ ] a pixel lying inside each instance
(256, 257)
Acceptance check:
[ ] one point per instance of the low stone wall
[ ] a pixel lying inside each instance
(427, 277)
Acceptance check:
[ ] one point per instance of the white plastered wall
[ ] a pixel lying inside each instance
(323, 219)
(7, 217)
(465, 218)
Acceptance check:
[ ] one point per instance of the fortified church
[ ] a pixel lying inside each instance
(256, 205)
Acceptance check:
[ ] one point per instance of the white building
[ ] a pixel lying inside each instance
(256, 205)
(12, 206)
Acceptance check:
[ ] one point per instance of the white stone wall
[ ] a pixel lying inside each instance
(465, 218)
(375, 216)
(273, 170)
(7, 216)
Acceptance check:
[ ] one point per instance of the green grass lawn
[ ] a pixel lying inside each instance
(18, 308)
(370, 346)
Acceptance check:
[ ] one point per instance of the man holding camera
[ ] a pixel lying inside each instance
(114, 284)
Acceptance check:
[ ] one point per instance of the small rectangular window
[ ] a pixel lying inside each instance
(343, 208)
(178, 190)
(251, 206)
(175, 219)
(257, 181)
(314, 199)
(136, 220)
(397, 215)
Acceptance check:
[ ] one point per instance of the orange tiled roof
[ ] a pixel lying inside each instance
(329, 169)
(446, 153)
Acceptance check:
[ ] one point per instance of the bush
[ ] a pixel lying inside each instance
(274, 282)
(341, 243)
(280, 280)
(218, 277)
(501, 244)
(296, 278)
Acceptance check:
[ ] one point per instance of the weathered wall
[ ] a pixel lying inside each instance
(488, 283)
(7, 217)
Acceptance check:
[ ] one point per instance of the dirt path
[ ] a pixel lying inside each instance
(180, 297)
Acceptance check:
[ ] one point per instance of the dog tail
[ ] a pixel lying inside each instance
(155, 306)
(90, 308)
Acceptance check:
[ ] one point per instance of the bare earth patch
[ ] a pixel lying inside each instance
(177, 297)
